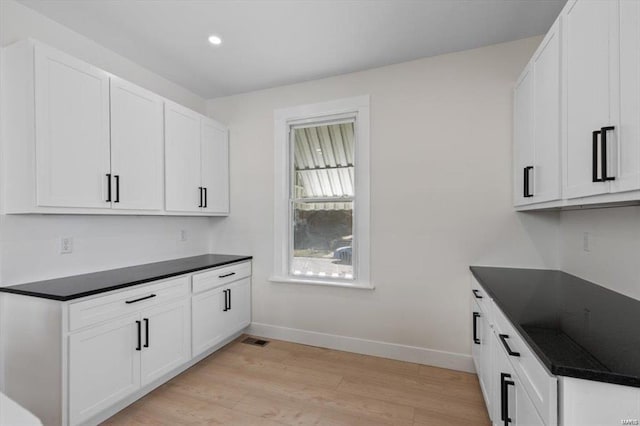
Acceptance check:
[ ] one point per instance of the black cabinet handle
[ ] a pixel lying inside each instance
(594, 158)
(527, 185)
(475, 328)
(140, 299)
(504, 397)
(476, 294)
(146, 332)
(226, 303)
(603, 147)
(205, 197)
(117, 178)
(226, 275)
(503, 338)
(108, 200)
(139, 325)
(200, 188)
(229, 298)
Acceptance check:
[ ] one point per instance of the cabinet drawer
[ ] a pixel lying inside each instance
(220, 276)
(93, 311)
(541, 387)
(480, 295)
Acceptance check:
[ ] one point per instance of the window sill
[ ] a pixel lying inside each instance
(290, 280)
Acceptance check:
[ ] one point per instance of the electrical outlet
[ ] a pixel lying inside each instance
(66, 245)
(183, 235)
(586, 241)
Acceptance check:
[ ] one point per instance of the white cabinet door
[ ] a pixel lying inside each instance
(182, 159)
(239, 305)
(628, 177)
(210, 319)
(476, 347)
(510, 399)
(166, 342)
(72, 131)
(545, 66)
(522, 409)
(590, 79)
(486, 364)
(523, 150)
(137, 146)
(104, 367)
(215, 166)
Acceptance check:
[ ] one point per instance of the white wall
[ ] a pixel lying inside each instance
(613, 259)
(29, 245)
(441, 199)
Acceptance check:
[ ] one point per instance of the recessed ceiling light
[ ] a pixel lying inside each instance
(215, 40)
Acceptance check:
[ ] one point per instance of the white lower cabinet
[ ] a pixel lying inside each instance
(104, 367)
(511, 403)
(517, 389)
(166, 340)
(481, 351)
(218, 312)
(109, 362)
(105, 351)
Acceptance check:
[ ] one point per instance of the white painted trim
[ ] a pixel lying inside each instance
(433, 357)
(345, 284)
(359, 106)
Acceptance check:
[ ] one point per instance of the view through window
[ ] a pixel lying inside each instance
(322, 195)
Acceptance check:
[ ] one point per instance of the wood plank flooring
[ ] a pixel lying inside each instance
(289, 384)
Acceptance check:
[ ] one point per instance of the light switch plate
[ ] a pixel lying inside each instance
(66, 245)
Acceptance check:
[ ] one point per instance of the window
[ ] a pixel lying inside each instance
(322, 194)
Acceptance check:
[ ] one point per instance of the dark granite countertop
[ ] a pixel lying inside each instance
(69, 288)
(577, 328)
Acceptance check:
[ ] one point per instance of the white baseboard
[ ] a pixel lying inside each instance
(451, 360)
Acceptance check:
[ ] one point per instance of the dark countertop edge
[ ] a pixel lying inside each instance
(557, 370)
(119, 286)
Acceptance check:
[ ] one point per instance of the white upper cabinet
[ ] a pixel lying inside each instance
(137, 147)
(598, 42)
(182, 151)
(545, 67)
(628, 176)
(77, 139)
(523, 139)
(537, 125)
(72, 131)
(214, 163)
(197, 162)
(590, 78)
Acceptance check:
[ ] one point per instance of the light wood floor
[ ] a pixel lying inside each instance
(290, 384)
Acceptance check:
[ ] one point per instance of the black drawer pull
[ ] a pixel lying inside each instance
(476, 294)
(139, 325)
(527, 184)
(594, 157)
(108, 200)
(141, 299)
(117, 178)
(503, 338)
(226, 275)
(504, 397)
(603, 143)
(146, 332)
(475, 328)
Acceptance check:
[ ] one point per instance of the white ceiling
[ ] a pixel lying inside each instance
(274, 42)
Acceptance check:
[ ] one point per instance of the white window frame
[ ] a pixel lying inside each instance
(357, 107)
